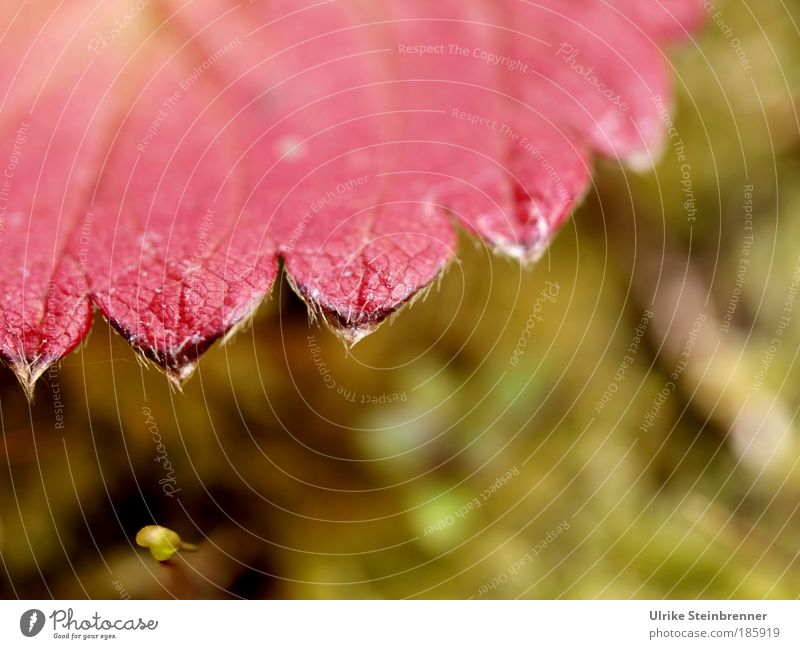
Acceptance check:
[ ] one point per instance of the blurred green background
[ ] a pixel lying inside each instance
(442, 457)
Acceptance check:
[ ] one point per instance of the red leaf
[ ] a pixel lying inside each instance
(174, 152)
(49, 161)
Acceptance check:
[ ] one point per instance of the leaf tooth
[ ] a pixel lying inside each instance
(179, 373)
(527, 253)
(28, 372)
(352, 334)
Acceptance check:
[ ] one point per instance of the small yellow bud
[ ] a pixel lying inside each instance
(161, 541)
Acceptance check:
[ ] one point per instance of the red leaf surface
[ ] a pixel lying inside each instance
(160, 158)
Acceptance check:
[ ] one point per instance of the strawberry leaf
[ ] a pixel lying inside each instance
(161, 159)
